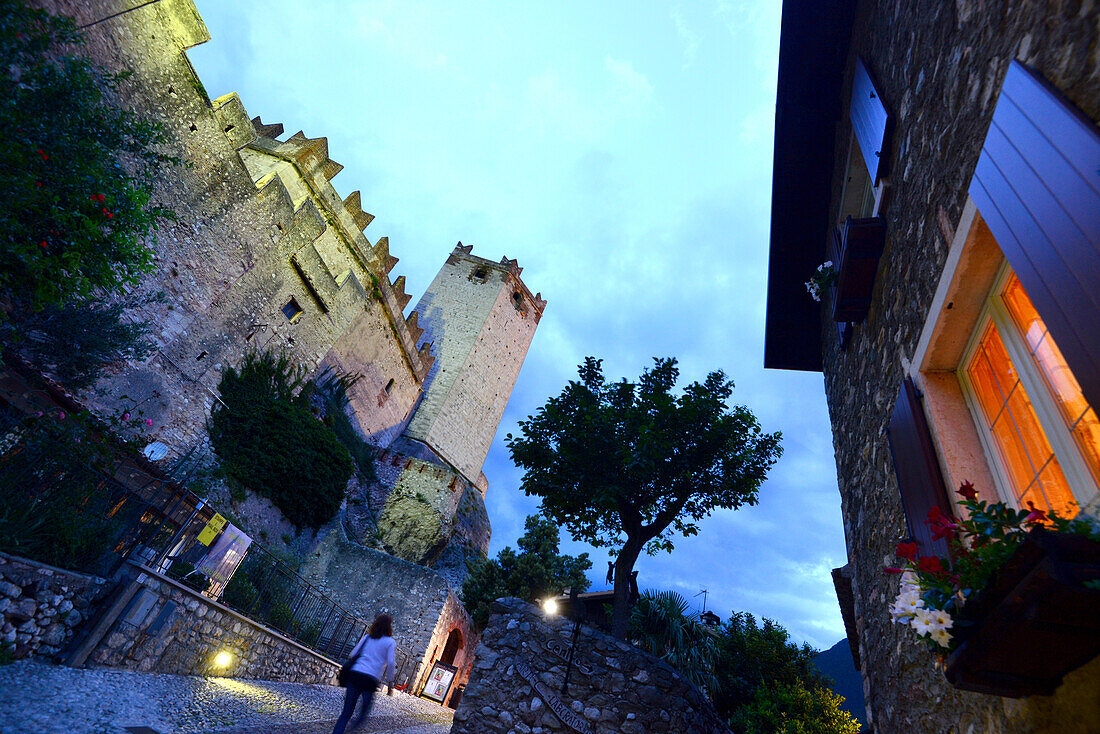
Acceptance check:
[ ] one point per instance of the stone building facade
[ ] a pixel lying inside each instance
(965, 133)
(264, 254)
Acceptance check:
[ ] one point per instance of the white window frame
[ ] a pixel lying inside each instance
(1049, 415)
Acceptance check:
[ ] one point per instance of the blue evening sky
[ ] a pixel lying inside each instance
(622, 152)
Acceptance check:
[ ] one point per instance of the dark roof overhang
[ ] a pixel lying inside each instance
(813, 53)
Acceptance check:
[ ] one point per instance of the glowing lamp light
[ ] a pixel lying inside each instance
(550, 606)
(223, 659)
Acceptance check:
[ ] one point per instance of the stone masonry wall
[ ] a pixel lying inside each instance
(368, 582)
(613, 687)
(169, 628)
(939, 68)
(42, 606)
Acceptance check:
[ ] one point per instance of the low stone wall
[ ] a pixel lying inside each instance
(43, 605)
(169, 628)
(613, 687)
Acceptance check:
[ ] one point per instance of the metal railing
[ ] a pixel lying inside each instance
(73, 496)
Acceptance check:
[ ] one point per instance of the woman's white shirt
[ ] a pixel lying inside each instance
(375, 657)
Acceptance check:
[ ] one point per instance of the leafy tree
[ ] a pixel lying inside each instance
(628, 465)
(74, 168)
(766, 683)
(76, 340)
(534, 573)
(661, 625)
(268, 440)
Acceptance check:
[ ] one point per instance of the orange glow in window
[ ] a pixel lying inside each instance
(1079, 416)
(1028, 458)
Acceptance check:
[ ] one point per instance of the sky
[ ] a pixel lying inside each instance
(622, 152)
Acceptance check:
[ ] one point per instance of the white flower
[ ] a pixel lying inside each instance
(824, 266)
(941, 637)
(922, 622)
(905, 606)
(814, 291)
(941, 620)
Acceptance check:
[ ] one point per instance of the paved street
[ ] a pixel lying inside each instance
(44, 698)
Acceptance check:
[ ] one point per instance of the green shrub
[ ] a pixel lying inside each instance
(186, 574)
(57, 505)
(280, 617)
(268, 440)
(240, 593)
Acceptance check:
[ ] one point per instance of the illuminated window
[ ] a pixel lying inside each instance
(1037, 426)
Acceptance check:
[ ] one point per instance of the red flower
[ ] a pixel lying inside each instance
(98, 197)
(38, 184)
(43, 154)
(42, 244)
(966, 491)
(930, 564)
(109, 215)
(1037, 516)
(907, 550)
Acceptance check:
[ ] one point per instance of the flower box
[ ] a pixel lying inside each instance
(1035, 623)
(856, 249)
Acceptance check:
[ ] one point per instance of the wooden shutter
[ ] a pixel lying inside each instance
(869, 121)
(919, 476)
(1037, 185)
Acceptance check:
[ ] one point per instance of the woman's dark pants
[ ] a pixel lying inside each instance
(359, 684)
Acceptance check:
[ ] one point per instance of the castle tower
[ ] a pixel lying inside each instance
(480, 318)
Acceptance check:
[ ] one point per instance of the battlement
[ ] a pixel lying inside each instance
(506, 265)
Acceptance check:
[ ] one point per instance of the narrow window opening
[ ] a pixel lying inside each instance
(201, 355)
(389, 387)
(193, 128)
(292, 310)
(517, 300)
(228, 128)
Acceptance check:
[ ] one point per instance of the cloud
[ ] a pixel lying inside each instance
(687, 36)
(630, 88)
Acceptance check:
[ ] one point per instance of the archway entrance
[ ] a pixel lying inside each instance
(450, 650)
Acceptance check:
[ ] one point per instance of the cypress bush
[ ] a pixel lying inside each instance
(269, 441)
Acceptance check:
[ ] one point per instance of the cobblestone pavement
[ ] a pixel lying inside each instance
(35, 697)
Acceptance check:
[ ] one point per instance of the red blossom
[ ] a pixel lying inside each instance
(38, 184)
(98, 197)
(108, 214)
(930, 564)
(42, 244)
(1036, 516)
(907, 550)
(43, 154)
(966, 491)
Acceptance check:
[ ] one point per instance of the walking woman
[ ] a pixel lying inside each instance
(372, 662)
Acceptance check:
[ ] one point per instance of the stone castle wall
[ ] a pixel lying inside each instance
(369, 582)
(480, 336)
(41, 607)
(614, 687)
(939, 68)
(257, 225)
(170, 628)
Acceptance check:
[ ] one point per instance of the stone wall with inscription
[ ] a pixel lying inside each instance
(516, 684)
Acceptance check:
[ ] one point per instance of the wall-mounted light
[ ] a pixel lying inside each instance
(223, 659)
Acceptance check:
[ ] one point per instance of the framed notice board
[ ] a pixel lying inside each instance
(439, 682)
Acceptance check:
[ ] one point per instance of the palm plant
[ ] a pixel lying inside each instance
(662, 625)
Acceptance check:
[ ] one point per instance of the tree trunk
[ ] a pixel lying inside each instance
(624, 565)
